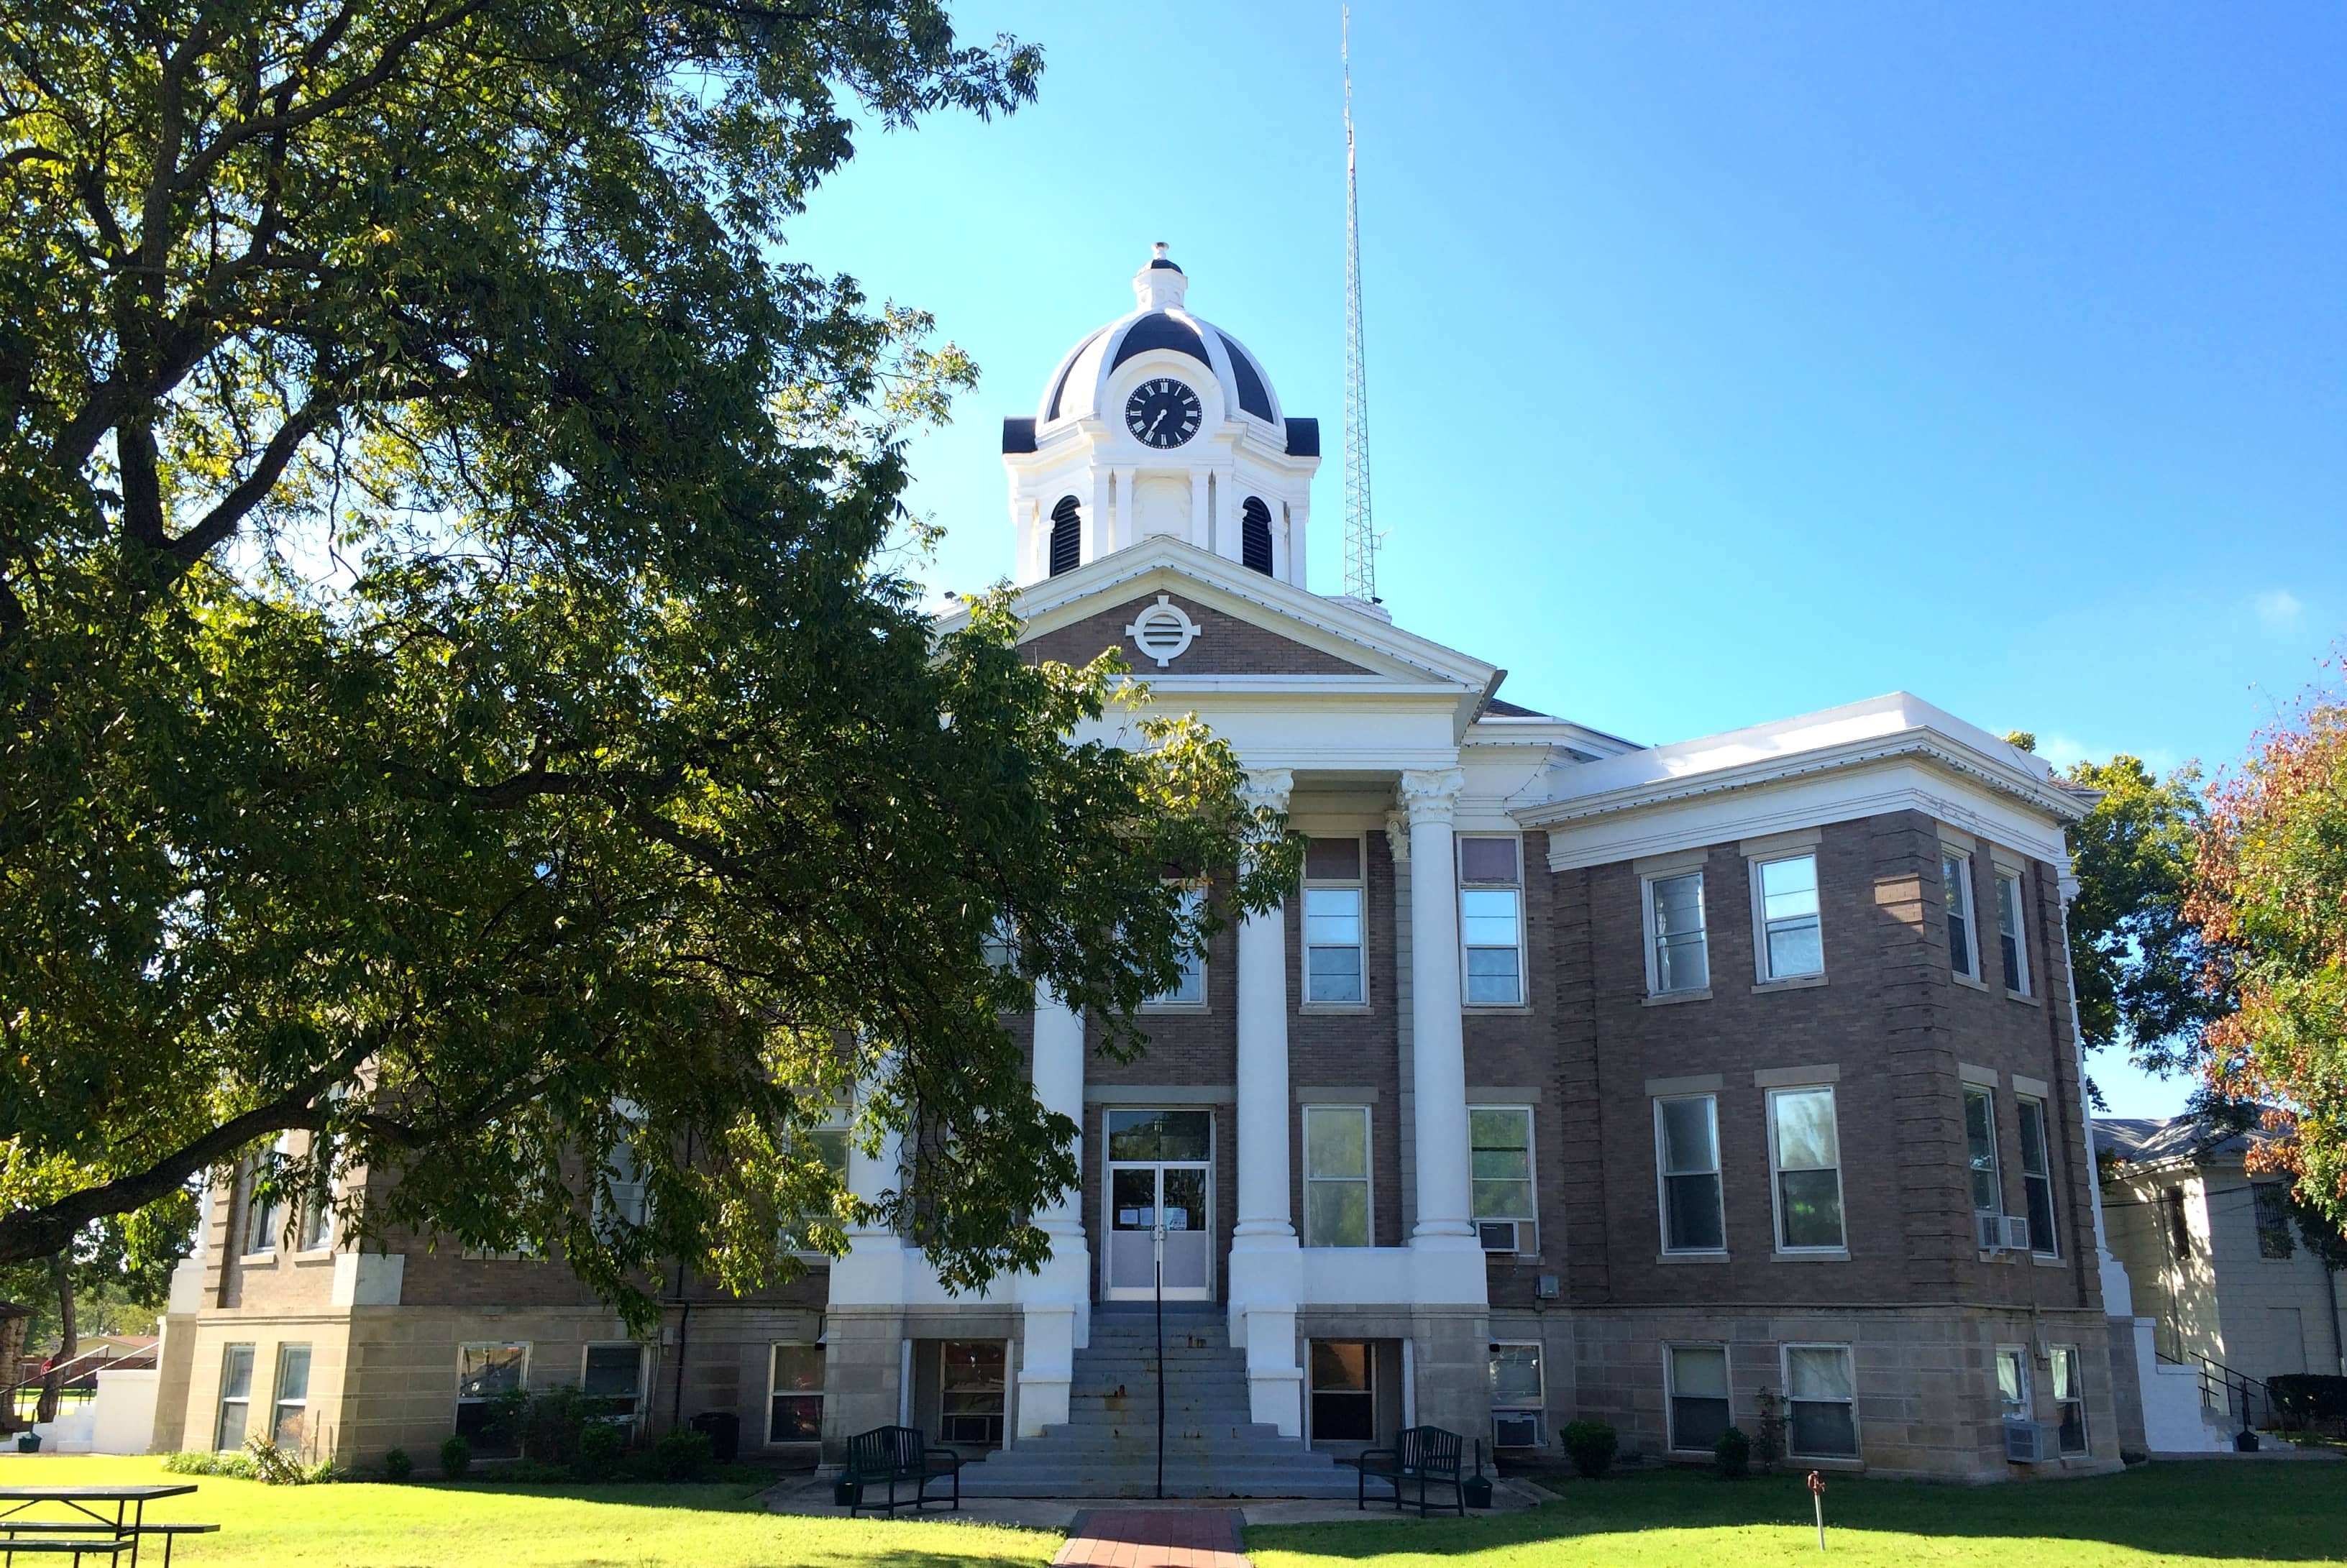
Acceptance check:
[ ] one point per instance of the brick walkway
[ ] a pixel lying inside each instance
(1154, 1538)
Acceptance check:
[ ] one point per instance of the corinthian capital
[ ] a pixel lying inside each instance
(1268, 787)
(1430, 795)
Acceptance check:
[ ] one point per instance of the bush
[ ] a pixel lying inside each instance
(547, 1426)
(2307, 1399)
(601, 1446)
(1733, 1454)
(455, 1458)
(682, 1454)
(1768, 1444)
(274, 1466)
(1591, 1446)
(232, 1466)
(397, 1466)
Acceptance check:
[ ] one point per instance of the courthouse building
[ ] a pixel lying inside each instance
(1667, 1086)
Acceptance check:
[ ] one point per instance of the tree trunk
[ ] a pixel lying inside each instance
(68, 1339)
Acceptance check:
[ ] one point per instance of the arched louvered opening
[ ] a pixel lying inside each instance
(1067, 537)
(1255, 535)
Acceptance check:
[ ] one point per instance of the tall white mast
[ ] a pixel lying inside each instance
(1360, 537)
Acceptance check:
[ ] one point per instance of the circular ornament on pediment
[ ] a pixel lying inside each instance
(1164, 631)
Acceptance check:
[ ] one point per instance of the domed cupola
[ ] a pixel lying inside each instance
(1160, 423)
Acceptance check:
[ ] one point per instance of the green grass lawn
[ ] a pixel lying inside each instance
(2199, 1514)
(359, 1525)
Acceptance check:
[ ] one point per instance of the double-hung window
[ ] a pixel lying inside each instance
(1518, 1395)
(1190, 990)
(2037, 1177)
(1344, 1391)
(1957, 883)
(2012, 1381)
(976, 1392)
(794, 1395)
(1980, 1152)
(2270, 1203)
(1820, 1402)
(235, 1397)
(1677, 959)
(614, 1374)
(1785, 893)
(1336, 1175)
(317, 1227)
(486, 1375)
(2070, 1398)
(2014, 949)
(1805, 1148)
(1334, 948)
(288, 1419)
(1686, 1151)
(1698, 1379)
(264, 1210)
(1491, 920)
(1500, 1154)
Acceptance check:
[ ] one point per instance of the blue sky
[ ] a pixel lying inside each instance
(1726, 360)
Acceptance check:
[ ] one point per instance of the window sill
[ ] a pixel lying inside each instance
(313, 1258)
(255, 1259)
(2023, 997)
(1964, 979)
(2049, 1260)
(1504, 1010)
(1691, 1257)
(1665, 999)
(1790, 983)
(1309, 1007)
(1194, 1008)
(1812, 1254)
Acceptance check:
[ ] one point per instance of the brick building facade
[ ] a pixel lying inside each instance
(1579, 1078)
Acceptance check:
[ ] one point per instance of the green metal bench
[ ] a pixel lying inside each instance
(897, 1457)
(1428, 1456)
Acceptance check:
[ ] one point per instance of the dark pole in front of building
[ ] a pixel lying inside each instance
(1160, 1240)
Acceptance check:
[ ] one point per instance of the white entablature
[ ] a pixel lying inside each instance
(1159, 425)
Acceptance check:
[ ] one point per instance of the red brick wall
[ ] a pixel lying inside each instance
(1225, 645)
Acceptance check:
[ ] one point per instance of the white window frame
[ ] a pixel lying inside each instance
(2077, 1396)
(1663, 1175)
(2023, 1407)
(1776, 1172)
(1762, 968)
(273, 1224)
(822, 1395)
(1366, 1181)
(2009, 883)
(1459, 863)
(1995, 1172)
(1539, 1368)
(643, 1369)
(521, 1382)
(1956, 894)
(314, 1227)
(1654, 937)
(1785, 1371)
(1671, 1347)
(835, 1124)
(2044, 1158)
(279, 1403)
(1194, 965)
(220, 1405)
(1531, 1177)
(1359, 885)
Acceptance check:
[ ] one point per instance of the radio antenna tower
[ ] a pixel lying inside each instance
(1360, 539)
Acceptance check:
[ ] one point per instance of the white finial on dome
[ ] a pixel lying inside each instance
(1160, 285)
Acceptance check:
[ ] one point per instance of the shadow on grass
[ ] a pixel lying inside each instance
(2276, 1512)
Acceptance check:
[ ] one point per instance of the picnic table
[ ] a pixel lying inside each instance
(102, 1521)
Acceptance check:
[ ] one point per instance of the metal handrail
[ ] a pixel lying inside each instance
(66, 1374)
(2216, 1376)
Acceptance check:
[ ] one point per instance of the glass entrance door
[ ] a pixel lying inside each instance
(1160, 1166)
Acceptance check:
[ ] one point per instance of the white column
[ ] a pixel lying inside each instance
(1092, 521)
(1202, 527)
(1266, 1268)
(1055, 1303)
(1438, 1051)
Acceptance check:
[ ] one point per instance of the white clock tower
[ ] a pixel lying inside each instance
(1160, 423)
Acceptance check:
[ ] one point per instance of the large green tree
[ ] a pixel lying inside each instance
(2270, 901)
(460, 702)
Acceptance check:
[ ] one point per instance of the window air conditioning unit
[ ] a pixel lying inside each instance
(2032, 1442)
(1991, 1232)
(1515, 1429)
(2016, 1233)
(1497, 1236)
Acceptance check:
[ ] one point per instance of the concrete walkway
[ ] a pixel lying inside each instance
(1154, 1538)
(811, 1494)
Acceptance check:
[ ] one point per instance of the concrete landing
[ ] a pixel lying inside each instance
(811, 1494)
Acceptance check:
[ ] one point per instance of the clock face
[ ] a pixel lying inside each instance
(1161, 413)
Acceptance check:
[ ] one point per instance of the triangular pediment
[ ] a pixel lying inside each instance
(1213, 621)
